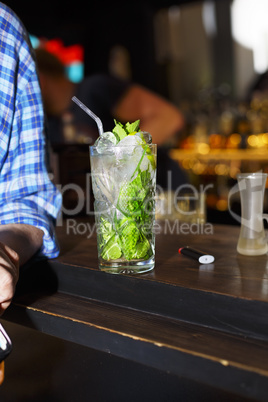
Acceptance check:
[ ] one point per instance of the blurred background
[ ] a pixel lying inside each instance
(208, 57)
(174, 47)
(185, 45)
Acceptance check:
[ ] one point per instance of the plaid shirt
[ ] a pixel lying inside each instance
(27, 195)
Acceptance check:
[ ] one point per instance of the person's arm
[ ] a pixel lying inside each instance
(29, 202)
(18, 243)
(159, 117)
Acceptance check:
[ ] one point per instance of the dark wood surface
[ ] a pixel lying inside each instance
(206, 323)
(231, 274)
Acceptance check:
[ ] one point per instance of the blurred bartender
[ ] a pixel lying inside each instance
(109, 98)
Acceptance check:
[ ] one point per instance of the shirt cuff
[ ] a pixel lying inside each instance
(19, 213)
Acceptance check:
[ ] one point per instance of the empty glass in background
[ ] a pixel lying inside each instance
(252, 239)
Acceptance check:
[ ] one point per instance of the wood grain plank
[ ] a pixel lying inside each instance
(229, 350)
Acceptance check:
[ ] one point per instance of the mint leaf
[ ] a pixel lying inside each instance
(142, 248)
(119, 130)
(131, 127)
(129, 235)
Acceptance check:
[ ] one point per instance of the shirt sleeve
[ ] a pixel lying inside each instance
(27, 195)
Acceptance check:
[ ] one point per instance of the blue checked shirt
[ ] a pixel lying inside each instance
(27, 195)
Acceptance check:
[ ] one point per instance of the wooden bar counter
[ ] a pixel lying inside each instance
(203, 323)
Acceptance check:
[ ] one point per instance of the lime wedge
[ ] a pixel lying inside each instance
(131, 197)
(112, 250)
(151, 158)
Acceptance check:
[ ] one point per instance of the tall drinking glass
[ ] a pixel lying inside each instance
(252, 239)
(124, 184)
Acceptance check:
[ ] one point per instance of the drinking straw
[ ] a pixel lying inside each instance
(90, 113)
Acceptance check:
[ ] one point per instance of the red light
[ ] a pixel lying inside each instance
(66, 54)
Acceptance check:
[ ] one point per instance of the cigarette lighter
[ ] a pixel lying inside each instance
(197, 255)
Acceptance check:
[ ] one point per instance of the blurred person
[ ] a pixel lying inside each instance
(29, 202)
(110, 98)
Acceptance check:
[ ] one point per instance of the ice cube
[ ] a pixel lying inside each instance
(144, 135)
(125, 150)
(106, 142)
(130, 141)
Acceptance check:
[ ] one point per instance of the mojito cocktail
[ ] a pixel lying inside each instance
(123, 169)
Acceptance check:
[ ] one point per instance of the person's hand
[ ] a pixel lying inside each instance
(9, 275)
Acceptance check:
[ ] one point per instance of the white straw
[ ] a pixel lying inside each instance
(90, 113)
